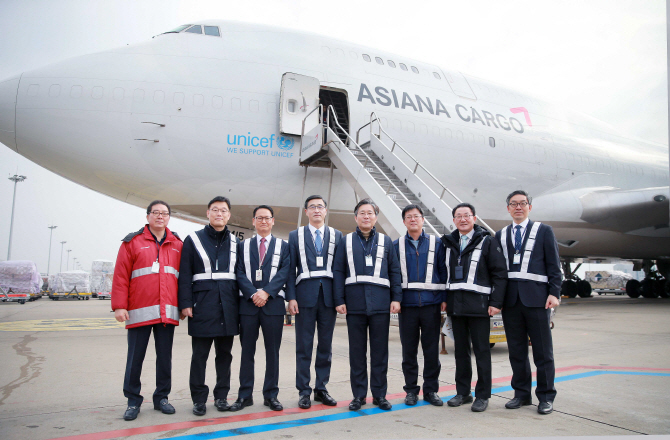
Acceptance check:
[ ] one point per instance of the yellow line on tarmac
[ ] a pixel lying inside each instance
(60, 325)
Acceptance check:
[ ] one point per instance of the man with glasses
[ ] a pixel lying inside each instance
(367, 283)
(310, 294)
(423, 299)
(144, 295)
(476, 289)
(208, 295)
(262, 272)
(534, 287)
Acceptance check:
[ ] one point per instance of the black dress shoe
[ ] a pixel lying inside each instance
(411, 399)
(324, 397)
(356, 404)
(382, 403)
(459, 400)
(480, 405)
(273, 403)
(164, 406)
(545, 408)
(305, 402)
(241, 403)
(222, 404)
(199, 409)
(433, 399)
(131, 413)
(518, 402)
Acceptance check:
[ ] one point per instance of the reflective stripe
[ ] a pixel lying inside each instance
(469, 284)
(328, 272)
(208, 275)
(528, 250)
(144, 314)
(276, 258)
(379, 260)
(427, 284)
(172, 270)
(140, 272)
(172, 312)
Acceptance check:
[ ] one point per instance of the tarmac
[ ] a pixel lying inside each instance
(62, 365)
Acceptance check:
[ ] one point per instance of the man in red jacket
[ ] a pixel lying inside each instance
(144, 295)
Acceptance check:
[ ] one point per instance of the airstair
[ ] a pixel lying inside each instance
(381, 169)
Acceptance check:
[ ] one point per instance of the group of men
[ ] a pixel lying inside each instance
(227, 288)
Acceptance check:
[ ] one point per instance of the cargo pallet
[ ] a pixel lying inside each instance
(11, 296)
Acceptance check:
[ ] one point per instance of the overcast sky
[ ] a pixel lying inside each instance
(604, 58)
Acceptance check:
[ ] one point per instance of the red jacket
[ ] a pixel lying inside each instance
(150, 298)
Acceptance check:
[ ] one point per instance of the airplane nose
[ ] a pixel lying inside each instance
(8, 91)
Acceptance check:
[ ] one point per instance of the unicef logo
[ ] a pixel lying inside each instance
(285, 143)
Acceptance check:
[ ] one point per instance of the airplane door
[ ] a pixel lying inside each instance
(459, 85)
(299, 96)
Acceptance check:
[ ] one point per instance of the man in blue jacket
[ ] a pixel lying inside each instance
(309, 291)
(262, 272)
(367, 289)
(422, 264)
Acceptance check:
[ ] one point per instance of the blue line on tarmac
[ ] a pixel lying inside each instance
(372, 411)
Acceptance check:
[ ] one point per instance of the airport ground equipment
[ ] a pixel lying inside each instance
(20, 281)
(604, 282)
(74, 284)
(102, 273)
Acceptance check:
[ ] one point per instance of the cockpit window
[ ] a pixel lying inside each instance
(195, 29)
(178, 29)
(212, 30)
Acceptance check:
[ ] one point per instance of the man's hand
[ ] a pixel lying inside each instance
(121, 315)
(187, 312)
(293, 307)
(395, 307)
(260, 298)
(552, 302)
(443, 307)
(493, 311)
(342, 310)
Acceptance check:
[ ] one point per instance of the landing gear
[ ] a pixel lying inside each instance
(572, 285)
(654, 284)
(569, 288)
(633, 288)
(584, 289)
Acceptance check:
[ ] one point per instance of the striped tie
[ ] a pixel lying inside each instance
(517, 239)
(261, 249)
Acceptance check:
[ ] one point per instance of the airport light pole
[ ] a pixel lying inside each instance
(67, 263)
(16, 179)
(52, 227)
(61, 255)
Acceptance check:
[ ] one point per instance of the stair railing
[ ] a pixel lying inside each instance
(417, 165)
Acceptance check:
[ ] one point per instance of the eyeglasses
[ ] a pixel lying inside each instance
(316, 207)
(263, 219)
(515, 204)
(464, 217)
(160, 213)
(217, 210)
(413, 217)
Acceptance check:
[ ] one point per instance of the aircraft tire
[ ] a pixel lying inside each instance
(584, 289)
(666, 289)
(633, 288)
(661, 287)
(569, 288)
(647, 288)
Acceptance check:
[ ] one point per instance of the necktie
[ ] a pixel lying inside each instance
(464, 242)
(517, 239)
(318, 243)
(261, 249)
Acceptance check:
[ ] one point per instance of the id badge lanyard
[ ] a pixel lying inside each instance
(458, 270)
(368, 255)
(259, 272)
(156, 266)
(319, 257)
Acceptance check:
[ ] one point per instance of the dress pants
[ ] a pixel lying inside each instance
(222, 361)
(323, 319)
(138, 340)
(475, 329)
(522, 322)
(273, 326)
(358, 327)
(420, 323)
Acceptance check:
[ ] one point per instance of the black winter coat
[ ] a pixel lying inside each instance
(491, 271)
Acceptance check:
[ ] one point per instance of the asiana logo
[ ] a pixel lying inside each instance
(285, 143)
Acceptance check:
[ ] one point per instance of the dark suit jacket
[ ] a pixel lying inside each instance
(275, 303)
(544, 261)
(307, 291)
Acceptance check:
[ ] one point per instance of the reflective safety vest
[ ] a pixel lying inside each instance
(209, 275)
(469, 284)
(276, 257)
(328, 271)
(427, 284)
(379, 260)
(528, 250)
